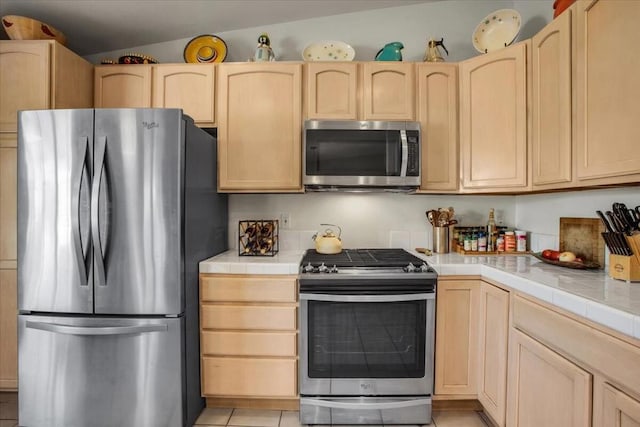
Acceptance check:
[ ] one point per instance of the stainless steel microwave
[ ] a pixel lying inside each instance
(361, 155)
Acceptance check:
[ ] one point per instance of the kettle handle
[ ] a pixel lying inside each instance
(339, 229)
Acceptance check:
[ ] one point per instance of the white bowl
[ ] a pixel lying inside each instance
(497, 30)
(328, 50)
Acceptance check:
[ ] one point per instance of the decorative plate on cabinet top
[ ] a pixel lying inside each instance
(205, 48)
(328, 50)
(497, 30)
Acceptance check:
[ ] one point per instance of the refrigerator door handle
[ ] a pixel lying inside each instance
(80, 251)
(101, 148)
(95, 330)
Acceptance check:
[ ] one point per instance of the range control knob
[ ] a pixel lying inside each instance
(308, 268)
(409, 268)
(334, 269)
(324, 269)
(424, 268)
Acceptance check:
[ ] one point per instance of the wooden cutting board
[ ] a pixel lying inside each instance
(582, 237)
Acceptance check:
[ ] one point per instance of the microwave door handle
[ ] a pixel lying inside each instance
(405, 152)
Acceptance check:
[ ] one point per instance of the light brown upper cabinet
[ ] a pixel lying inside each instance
(123, 86)
(187, 86)
(259, 127)
(438, 117)
(37, 74)
(493, 121)
(331, 90)
(388, 90)
(551, 101)
(360, 91)
(608, 89)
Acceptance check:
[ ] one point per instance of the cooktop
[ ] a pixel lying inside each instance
(362, 258)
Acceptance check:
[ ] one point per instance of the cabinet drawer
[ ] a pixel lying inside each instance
(252, 289)
(248, 377)
(248, 343)
(248, 317)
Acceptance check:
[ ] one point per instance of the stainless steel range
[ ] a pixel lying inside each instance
(366, 337)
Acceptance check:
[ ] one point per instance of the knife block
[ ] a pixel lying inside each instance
(627, 268)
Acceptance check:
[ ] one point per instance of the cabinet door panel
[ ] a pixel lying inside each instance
(545, 389)
(493, 114)
(457, 337)
(608, 89)
(331, 91)
(249, 289)
(227, 316)
(438, 116)
(190, 87)
(8, 330)
(235, 343)
(8, 199)
(259, 127)
(618, 409)
(123, 86)
(551, 129)
(388, 91)
(24, 79)
(492, 366)
(226, 376)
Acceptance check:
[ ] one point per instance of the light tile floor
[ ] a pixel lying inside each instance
(270, 418)
(253, 417)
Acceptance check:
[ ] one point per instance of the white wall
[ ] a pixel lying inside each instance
(540, 213)
(367, 220)
(367, 32)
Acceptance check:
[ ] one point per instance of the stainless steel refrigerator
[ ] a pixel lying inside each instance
(115, 209)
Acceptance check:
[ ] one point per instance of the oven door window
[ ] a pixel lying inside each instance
(366, 340)
(353, 153)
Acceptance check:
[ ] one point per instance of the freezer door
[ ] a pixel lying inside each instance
(54, 178)
(137, 211)
(100, 372)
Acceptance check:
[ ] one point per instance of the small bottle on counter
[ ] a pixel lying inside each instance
(482, 242)
(509, 241)
(474, 241)
(467, 242)
(521, 241)
(491, 231)
(500, 243)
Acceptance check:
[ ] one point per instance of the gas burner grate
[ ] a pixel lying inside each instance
(363, 258)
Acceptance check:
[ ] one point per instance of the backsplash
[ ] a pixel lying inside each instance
(398, 220)
(371, 220)
(540, 213)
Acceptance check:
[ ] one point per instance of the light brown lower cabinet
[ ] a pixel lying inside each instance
(614, 408)
(545, 389)
(248, 338)
(457, 303)
(252, 377)
(492, 351)
(8, 330)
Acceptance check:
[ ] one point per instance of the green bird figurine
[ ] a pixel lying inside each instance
(390, 52)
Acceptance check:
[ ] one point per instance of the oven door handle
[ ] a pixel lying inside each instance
(367, 298)
(359, 405)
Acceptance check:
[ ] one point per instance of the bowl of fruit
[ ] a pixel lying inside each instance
(566, 259)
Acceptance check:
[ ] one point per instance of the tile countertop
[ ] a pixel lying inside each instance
(588, 293)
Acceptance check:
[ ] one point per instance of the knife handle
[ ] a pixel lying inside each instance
(605, 222)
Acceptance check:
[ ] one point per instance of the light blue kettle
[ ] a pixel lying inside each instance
(390, 52)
